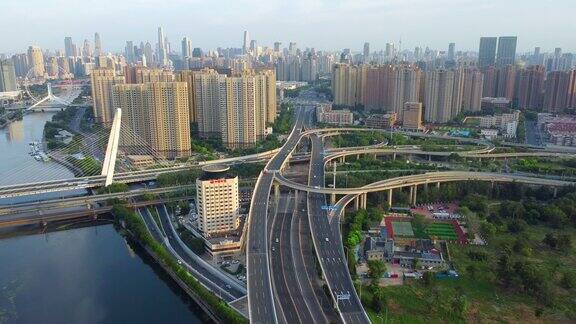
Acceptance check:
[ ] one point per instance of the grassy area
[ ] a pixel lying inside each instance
(443, 231)
(525, 273)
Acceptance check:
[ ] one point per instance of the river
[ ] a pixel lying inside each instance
(82, 275)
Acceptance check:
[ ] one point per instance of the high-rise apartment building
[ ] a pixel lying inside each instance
(439, 95)
(103, 81)
(186, 48)
(236, 109)
(36, 61)
(249, 99)
(157, 113)
(217, 201)
(188, 77)
(345, 89)
(473, 85)
(7, 76)
(377, 87)
(139, 74)
(559, 91)
(530, 87)
(210, 101)
(490, 81)
(405, 88)
(506, 81)
(412, 115)
(506, 54)
(487, 52)
(97, 45)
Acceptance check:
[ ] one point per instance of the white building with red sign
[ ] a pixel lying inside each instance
(217, 201)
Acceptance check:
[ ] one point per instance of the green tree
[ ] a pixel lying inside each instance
(376, 269)
(378, 300)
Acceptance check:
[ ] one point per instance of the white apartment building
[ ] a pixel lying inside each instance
(217, 201)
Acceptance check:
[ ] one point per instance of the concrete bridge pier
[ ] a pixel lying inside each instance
(555, 191)
(415, 192)
(276, 190)
(332, 199)
(357, 202)
(437, 185)
(410, 197)
(390, 197)
(363, 200)
(394, 156)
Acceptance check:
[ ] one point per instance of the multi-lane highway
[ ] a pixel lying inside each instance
(260, 296)
(424, 178)
(334, 265)
(221, 285)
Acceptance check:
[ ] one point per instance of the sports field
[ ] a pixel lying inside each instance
(443, 231)
(402, 229)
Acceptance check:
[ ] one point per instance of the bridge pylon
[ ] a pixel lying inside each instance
(112, 148)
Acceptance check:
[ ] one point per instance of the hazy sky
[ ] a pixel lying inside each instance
(323, 24)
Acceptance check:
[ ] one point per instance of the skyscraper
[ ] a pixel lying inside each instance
(97, 45)
(148, 53)
(246, 43)
(487, 52)
(506, 54)
(157, 112)
(69, 47)
(86, 50)
(20, 64)
(253, 46)
(7, 76)
(451, 52)
(103, 81)
(162, 54)
(129, 52)
(389, 51)
(277, 47)
(366, 53)
(36, 61)
(186, 48)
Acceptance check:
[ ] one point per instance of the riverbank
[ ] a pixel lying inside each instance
(10, 116)
(216, 308)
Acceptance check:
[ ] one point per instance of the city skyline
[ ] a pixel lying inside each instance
(432, 25)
